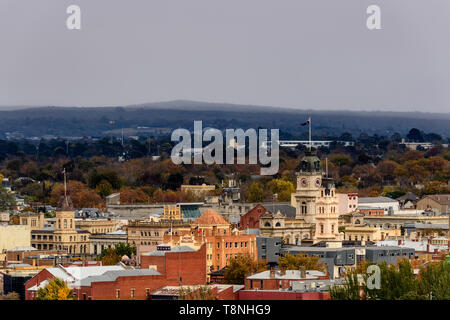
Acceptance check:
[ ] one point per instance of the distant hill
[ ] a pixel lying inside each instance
(96, 121)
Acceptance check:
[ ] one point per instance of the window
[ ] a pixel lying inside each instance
(117, 293)
(147, 292)
(321, 228)
(84, 296)
(245, 243)
(332, 228)
(304, 207)
(226, 244)
(235, 244)
(132, 293)
(242, 244)
(65, 224)
(218, 245)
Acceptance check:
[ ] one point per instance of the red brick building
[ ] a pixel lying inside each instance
(251, 218)
(218, 291)
(276, 279)
(286, 285)
(282, 295)
(222, 241)
(179, 266)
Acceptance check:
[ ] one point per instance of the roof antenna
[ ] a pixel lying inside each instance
(326, 167)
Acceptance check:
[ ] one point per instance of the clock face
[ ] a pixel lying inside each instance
(318, 182)
(304, 182)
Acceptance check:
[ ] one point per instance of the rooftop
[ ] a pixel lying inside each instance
(289, 275)
(173, 249)
(211, 217)
(112, 275)
(376, 200)
(440, 198)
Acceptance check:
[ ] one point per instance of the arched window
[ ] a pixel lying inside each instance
(59, 223)
(267, 224)
(321, 228)
(304, 208)
(70, 223)
(65, 224)
(278, 224)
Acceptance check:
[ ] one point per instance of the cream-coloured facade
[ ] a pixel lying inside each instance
(12, 236)
(315, 199)
(64, 236)
(172, 213)
(36, 221)
(198, 189)
(292, 231)
(97, 226)
(316, 204)
(366, 233)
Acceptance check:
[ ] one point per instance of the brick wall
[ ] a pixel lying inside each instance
(282, 295)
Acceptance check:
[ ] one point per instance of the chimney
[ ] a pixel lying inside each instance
(272, 273)
(303, 272)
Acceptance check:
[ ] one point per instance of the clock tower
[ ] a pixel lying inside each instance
(315, 199)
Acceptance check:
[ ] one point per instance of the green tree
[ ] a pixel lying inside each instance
(255, 193)
(241, 266)
(349, 290)
(104, 188)
(109, 257)
(112, 256)
(56, 289)
(434, 281)
(7, 200)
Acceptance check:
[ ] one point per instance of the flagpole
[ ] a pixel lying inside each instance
(310, 144)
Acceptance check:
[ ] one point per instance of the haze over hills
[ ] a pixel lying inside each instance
(100, 121)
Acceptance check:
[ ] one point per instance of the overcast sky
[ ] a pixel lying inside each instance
(290, 53)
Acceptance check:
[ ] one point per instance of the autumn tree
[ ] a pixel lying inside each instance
(295, 262)
(56, 289)
(196, 293)
(241, 266)
(255, 193)
(10, 296)
(283, 188)
(109, 257)
(112, 256)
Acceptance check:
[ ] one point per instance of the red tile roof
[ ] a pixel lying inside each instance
(210, 217)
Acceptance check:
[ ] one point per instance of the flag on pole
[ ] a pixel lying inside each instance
(307, 122)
